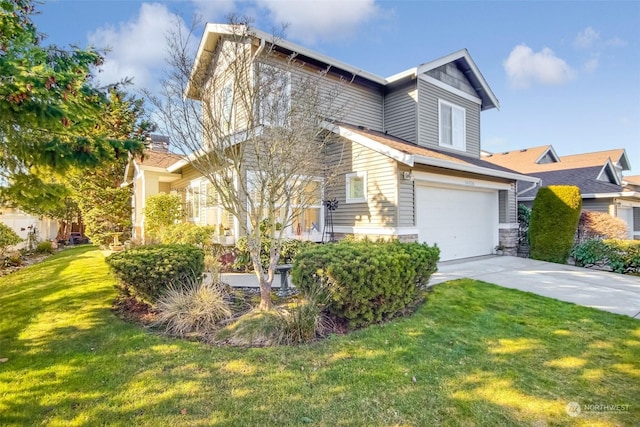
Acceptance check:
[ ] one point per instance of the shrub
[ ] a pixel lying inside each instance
(600, 225)
(187, 233)
(161, 210)
(592, 252)
(554, 220)
(620, 256)
(150, 270)
(45, 247)
(192, 307)
(524, 219)
(366, 282)
(8, 237)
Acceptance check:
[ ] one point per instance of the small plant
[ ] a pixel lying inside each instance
(8, 237)
(45, 247)
(13, 259)
(192, 307)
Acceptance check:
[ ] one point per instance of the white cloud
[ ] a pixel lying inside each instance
(214, 11)
(310, 20)
(586, 38)
(137, 47)
(525, 67)
(615, 42)
(592, 64)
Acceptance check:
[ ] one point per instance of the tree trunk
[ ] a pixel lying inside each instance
(265, 295)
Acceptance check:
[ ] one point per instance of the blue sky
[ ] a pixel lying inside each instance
(567, 73)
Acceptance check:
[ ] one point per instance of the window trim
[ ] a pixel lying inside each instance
(348, 180)
(453, 107)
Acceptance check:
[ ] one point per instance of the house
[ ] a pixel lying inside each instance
(410, 162)
(148, 175)
(24, 224)
(599, 175)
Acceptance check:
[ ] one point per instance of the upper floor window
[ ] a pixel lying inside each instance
(452, 125)
(275, 95)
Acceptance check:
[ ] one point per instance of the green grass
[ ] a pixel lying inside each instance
(480, 354)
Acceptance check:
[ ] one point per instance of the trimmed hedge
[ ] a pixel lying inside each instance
(554, 220)
(620, 256)
(149, 270)
(366, 282)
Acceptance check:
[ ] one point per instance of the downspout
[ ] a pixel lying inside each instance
(534, 185)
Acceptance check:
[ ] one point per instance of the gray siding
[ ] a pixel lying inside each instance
(451, 75)
(381, 208)
(347, 102)
(598, 205)
(406, 199)
(400, 112)
(428, 134)
(636, 219)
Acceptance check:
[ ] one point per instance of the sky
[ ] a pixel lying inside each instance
(566, 73)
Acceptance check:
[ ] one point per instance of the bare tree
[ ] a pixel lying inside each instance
(252, 118)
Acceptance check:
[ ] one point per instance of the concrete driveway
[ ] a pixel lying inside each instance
(611, 292)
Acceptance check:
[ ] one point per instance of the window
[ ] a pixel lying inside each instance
(452, 125)
(226, 96)
(356, 187)
(307, 221)
(275, 95)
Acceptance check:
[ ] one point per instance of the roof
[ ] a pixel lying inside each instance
(410, 153)
(617, 155)
(157, 159)
(214, 32)
(632, 179)
(583, 177)
(524, 160)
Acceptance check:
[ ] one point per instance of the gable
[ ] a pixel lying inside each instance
(453, 76)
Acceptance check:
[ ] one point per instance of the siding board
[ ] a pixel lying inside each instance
(400, 112)
(380, 210)
(428, 134)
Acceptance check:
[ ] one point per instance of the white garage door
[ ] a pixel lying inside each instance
(463, 223)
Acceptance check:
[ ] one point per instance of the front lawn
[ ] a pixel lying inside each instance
(474, 354)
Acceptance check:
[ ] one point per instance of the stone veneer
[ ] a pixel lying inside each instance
(508, 237)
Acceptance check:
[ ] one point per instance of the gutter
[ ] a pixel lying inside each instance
(535, 184)
(430, 161)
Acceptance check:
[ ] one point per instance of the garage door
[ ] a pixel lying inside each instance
(464, 223)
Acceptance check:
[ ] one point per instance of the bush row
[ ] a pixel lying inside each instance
(150, 270)
(621, 256)
(365, 282)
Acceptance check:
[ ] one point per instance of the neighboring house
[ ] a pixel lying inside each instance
(149, 176)
(410, 160)
(599, 176)
(23, 224)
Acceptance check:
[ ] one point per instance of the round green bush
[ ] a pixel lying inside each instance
(150, 270)
(554, 220)
(365, 282)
